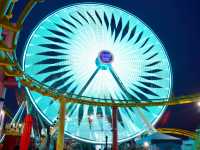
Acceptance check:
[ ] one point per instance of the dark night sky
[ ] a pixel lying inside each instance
(176, 22)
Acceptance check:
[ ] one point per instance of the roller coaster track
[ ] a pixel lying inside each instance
(12, 68)
(34, 85)
(181, 132)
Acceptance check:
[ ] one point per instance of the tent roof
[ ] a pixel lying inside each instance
(159, 137)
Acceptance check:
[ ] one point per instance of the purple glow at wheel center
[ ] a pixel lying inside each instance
(106, 57)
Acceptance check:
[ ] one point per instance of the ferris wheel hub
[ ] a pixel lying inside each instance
(104, 59)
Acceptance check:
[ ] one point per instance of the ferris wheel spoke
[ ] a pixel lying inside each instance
(123, 88)
(108, 115)
(119, 117)
(88, 82)
(81, 108)
(120, 84)
(90, 111)
(80, 114)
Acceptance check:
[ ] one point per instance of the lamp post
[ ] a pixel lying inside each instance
(106, 148)
(146, 145)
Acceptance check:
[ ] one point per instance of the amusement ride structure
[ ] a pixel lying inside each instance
(90, 70)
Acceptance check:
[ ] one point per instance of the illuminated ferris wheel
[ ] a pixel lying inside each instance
(101, 53)
(104, 63)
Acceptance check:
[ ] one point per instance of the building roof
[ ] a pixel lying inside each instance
(159, 138)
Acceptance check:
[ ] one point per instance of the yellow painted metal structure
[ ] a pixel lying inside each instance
(181, 132)
(4, 23)
(38, 87)
(3, 5)
(3, 47)
(10, 9)
(30, 4)
(13, 73)
(61, 124)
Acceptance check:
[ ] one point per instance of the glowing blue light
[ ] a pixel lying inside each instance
(105, 57)
(103, 52)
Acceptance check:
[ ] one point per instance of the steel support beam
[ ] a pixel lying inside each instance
(61, 126)
(145, 120)
(114, 128)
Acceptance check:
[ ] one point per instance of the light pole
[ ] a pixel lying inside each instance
(106, 148)
(146, 145)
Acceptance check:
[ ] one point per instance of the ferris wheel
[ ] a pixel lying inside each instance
(100, 53)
